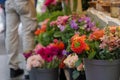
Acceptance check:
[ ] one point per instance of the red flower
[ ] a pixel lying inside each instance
(58, 44)
(48, 53)
(48, 2)
(62, 65)
(78, 46)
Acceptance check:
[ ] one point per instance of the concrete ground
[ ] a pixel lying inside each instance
(4, 68)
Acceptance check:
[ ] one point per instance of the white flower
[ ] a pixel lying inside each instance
(34, 61)
(71, 60)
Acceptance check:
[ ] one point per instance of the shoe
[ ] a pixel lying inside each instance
(16, 73)
(27, 77)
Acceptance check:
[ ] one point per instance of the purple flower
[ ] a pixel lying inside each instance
(62, 28)
(73, 25)
(64, 52)
(80, 20)
(87, 19)
(90, 26)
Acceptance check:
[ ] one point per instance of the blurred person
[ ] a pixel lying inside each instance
(19, 11)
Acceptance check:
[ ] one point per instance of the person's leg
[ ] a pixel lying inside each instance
(12, 39)
(12, 22)
(28, 18)
(29, 24)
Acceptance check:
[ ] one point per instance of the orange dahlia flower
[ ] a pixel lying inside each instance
(112, 29)
(58, 44)
(76, 36)
(97, 35)
(78, 46)
(38, 31)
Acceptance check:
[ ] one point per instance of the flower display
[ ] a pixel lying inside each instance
(102, 44)
(64, 36)
(67, 26)
(45, 56)
(111, 43)
(64, 42)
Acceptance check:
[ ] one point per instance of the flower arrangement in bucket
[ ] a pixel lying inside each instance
(46, 57)
(100, 51)
(45, 60)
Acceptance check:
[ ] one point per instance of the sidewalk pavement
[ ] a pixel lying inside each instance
(4, 68)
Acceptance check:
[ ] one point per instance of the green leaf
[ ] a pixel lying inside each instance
(78, 63)
(75, 74)
(91, 55)
(57, 34)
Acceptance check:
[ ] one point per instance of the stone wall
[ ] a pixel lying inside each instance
(102, 18)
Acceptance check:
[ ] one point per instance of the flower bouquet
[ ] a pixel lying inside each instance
(102, 54)
(95, 49)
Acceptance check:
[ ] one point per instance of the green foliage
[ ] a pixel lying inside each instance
(42, 17)
(66, 9)
(94, 49)
(65, 35)
(105, 54)
(45, 38)
(75, 74)
(78, 62)
(53, 64)
(51, 15)
(57, 7)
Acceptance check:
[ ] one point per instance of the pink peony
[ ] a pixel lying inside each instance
(34, 61)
